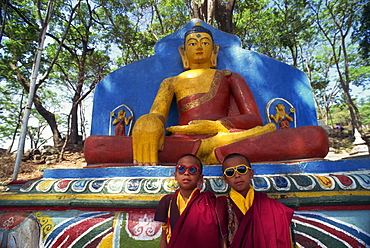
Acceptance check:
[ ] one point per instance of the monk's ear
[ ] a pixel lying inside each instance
(185, 61)
(214, 56)
(201, 177)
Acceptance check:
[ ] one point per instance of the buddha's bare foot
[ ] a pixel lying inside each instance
(135, 162)
(199, 127)
(206, 149)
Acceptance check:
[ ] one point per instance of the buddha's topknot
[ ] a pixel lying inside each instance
(198, 28)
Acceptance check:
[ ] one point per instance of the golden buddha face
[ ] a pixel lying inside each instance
(198, 48)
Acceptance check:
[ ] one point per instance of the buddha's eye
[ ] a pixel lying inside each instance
(206, 43)
(192, 44)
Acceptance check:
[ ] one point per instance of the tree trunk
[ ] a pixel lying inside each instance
(48, 116)
(224, 15)
(210, 11)
(50, 119)
(353, 110)
(74, 138)
(196, 10)
(73, 135)
(356, 118)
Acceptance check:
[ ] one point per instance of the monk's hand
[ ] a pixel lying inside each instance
(199, 127)
(147, 139)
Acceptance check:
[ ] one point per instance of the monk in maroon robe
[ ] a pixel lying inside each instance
(188, 216)
(196, 226)
(266, 223)
(248, 219)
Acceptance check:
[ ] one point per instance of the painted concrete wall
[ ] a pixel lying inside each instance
(136, 228)
(114, 207)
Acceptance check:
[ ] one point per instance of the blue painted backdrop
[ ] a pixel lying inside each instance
(136, 84)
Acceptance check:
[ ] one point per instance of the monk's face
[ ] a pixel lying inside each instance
(198, 48)
(187, 179)
(239, 182)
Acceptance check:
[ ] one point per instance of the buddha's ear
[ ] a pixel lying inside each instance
(185, 61)
(214, 55)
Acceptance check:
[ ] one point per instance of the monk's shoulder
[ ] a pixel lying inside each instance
(263, 197)
(165, 200)
(161, 212)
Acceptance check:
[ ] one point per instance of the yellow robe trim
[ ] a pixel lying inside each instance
(181, 203)
(243, 203)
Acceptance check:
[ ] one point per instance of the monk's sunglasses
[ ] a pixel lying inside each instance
(182, 168)
(241, 169)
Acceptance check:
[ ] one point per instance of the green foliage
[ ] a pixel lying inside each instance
(364, 108)
(339, 114)
(362, 33)
(9, 115)
(359, 70)
(275, 28)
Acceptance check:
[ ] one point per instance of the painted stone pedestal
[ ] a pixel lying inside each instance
(114, 206)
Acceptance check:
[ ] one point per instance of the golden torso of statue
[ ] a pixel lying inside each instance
(193, 82)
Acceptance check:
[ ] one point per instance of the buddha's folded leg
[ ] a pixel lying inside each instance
(279, 145)
(286, 144)
(207, 147)
(104, 149)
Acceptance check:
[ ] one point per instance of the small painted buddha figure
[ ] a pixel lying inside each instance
(281, 117)
(120, 122)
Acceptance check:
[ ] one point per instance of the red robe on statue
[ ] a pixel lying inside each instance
(228, 100)
(120, 127)
(196, 227)
(266, 224)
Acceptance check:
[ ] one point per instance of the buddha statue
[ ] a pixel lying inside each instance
(217, 115)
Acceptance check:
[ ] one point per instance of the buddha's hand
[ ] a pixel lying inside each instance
(147, 139)
(199, 127)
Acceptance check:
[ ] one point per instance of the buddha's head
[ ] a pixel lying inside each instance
(198, 50)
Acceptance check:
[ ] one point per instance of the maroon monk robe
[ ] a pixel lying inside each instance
(196, 227)
(266, 224)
